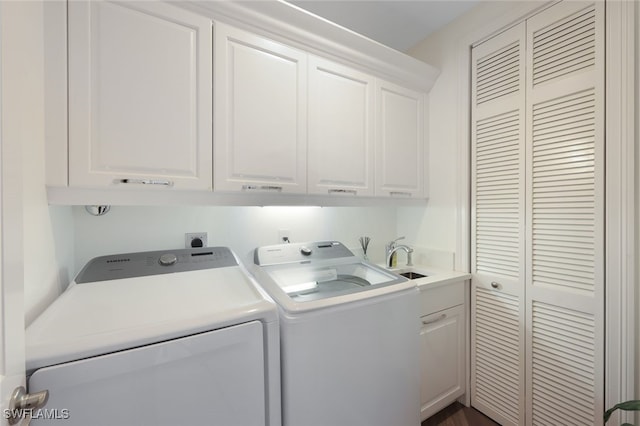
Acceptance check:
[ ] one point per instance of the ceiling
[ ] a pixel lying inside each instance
(397, 24)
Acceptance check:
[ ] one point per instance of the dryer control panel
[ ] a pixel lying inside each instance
(131, 265)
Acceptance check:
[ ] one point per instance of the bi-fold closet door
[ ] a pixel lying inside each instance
(538, 219)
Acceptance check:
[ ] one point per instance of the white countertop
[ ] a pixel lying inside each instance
(435, 277)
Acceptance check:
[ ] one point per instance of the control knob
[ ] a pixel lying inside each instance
(168, 259)
(306, 251)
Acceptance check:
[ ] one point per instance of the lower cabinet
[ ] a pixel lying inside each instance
(442, 348)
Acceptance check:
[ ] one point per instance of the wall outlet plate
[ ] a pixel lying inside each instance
(284, 236)
(191, 239)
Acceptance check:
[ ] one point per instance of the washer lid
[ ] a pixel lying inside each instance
(305, 286)
(100, 317)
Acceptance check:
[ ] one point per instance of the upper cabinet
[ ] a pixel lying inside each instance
(341, 129)
(139, 96)
(228, 97)
(277, 131)
(260, 113)
(399, 141)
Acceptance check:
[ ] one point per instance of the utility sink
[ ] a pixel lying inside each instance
(413, 275)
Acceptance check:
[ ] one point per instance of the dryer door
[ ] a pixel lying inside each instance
(209, 378)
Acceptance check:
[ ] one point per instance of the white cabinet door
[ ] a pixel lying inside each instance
(260, 113)
(400, 141)
(340, 130)
(498, 186)
(139, 96)
(442, 357)
(565, 208)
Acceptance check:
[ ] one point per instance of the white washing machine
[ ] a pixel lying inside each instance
(350, 337)
(158, 338)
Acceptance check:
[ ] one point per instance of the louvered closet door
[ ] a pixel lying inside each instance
(498, 127)
(565, 215)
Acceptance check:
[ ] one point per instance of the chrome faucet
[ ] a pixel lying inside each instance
(391, 248)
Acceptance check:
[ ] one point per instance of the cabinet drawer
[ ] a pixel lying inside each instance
(442, 359)
(439, 298)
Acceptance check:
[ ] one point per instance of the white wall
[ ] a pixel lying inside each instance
(23, 67)
(130, 229)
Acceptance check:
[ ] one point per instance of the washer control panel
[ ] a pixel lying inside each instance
(131, 265)
(300, 253)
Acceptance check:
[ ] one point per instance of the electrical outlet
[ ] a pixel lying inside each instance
(192, 239)
(284, 236)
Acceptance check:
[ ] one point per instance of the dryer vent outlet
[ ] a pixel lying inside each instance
(195, 239)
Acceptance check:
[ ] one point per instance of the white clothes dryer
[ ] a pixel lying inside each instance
(350, 337)
(158, 338)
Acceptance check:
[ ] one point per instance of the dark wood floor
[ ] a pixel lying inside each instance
(457, 414)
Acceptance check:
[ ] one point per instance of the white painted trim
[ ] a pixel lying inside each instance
(15, 20)
(621, 275)
(160, 197)
(288, 24)
(426, 153)
(636, 258)
(55, 92)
